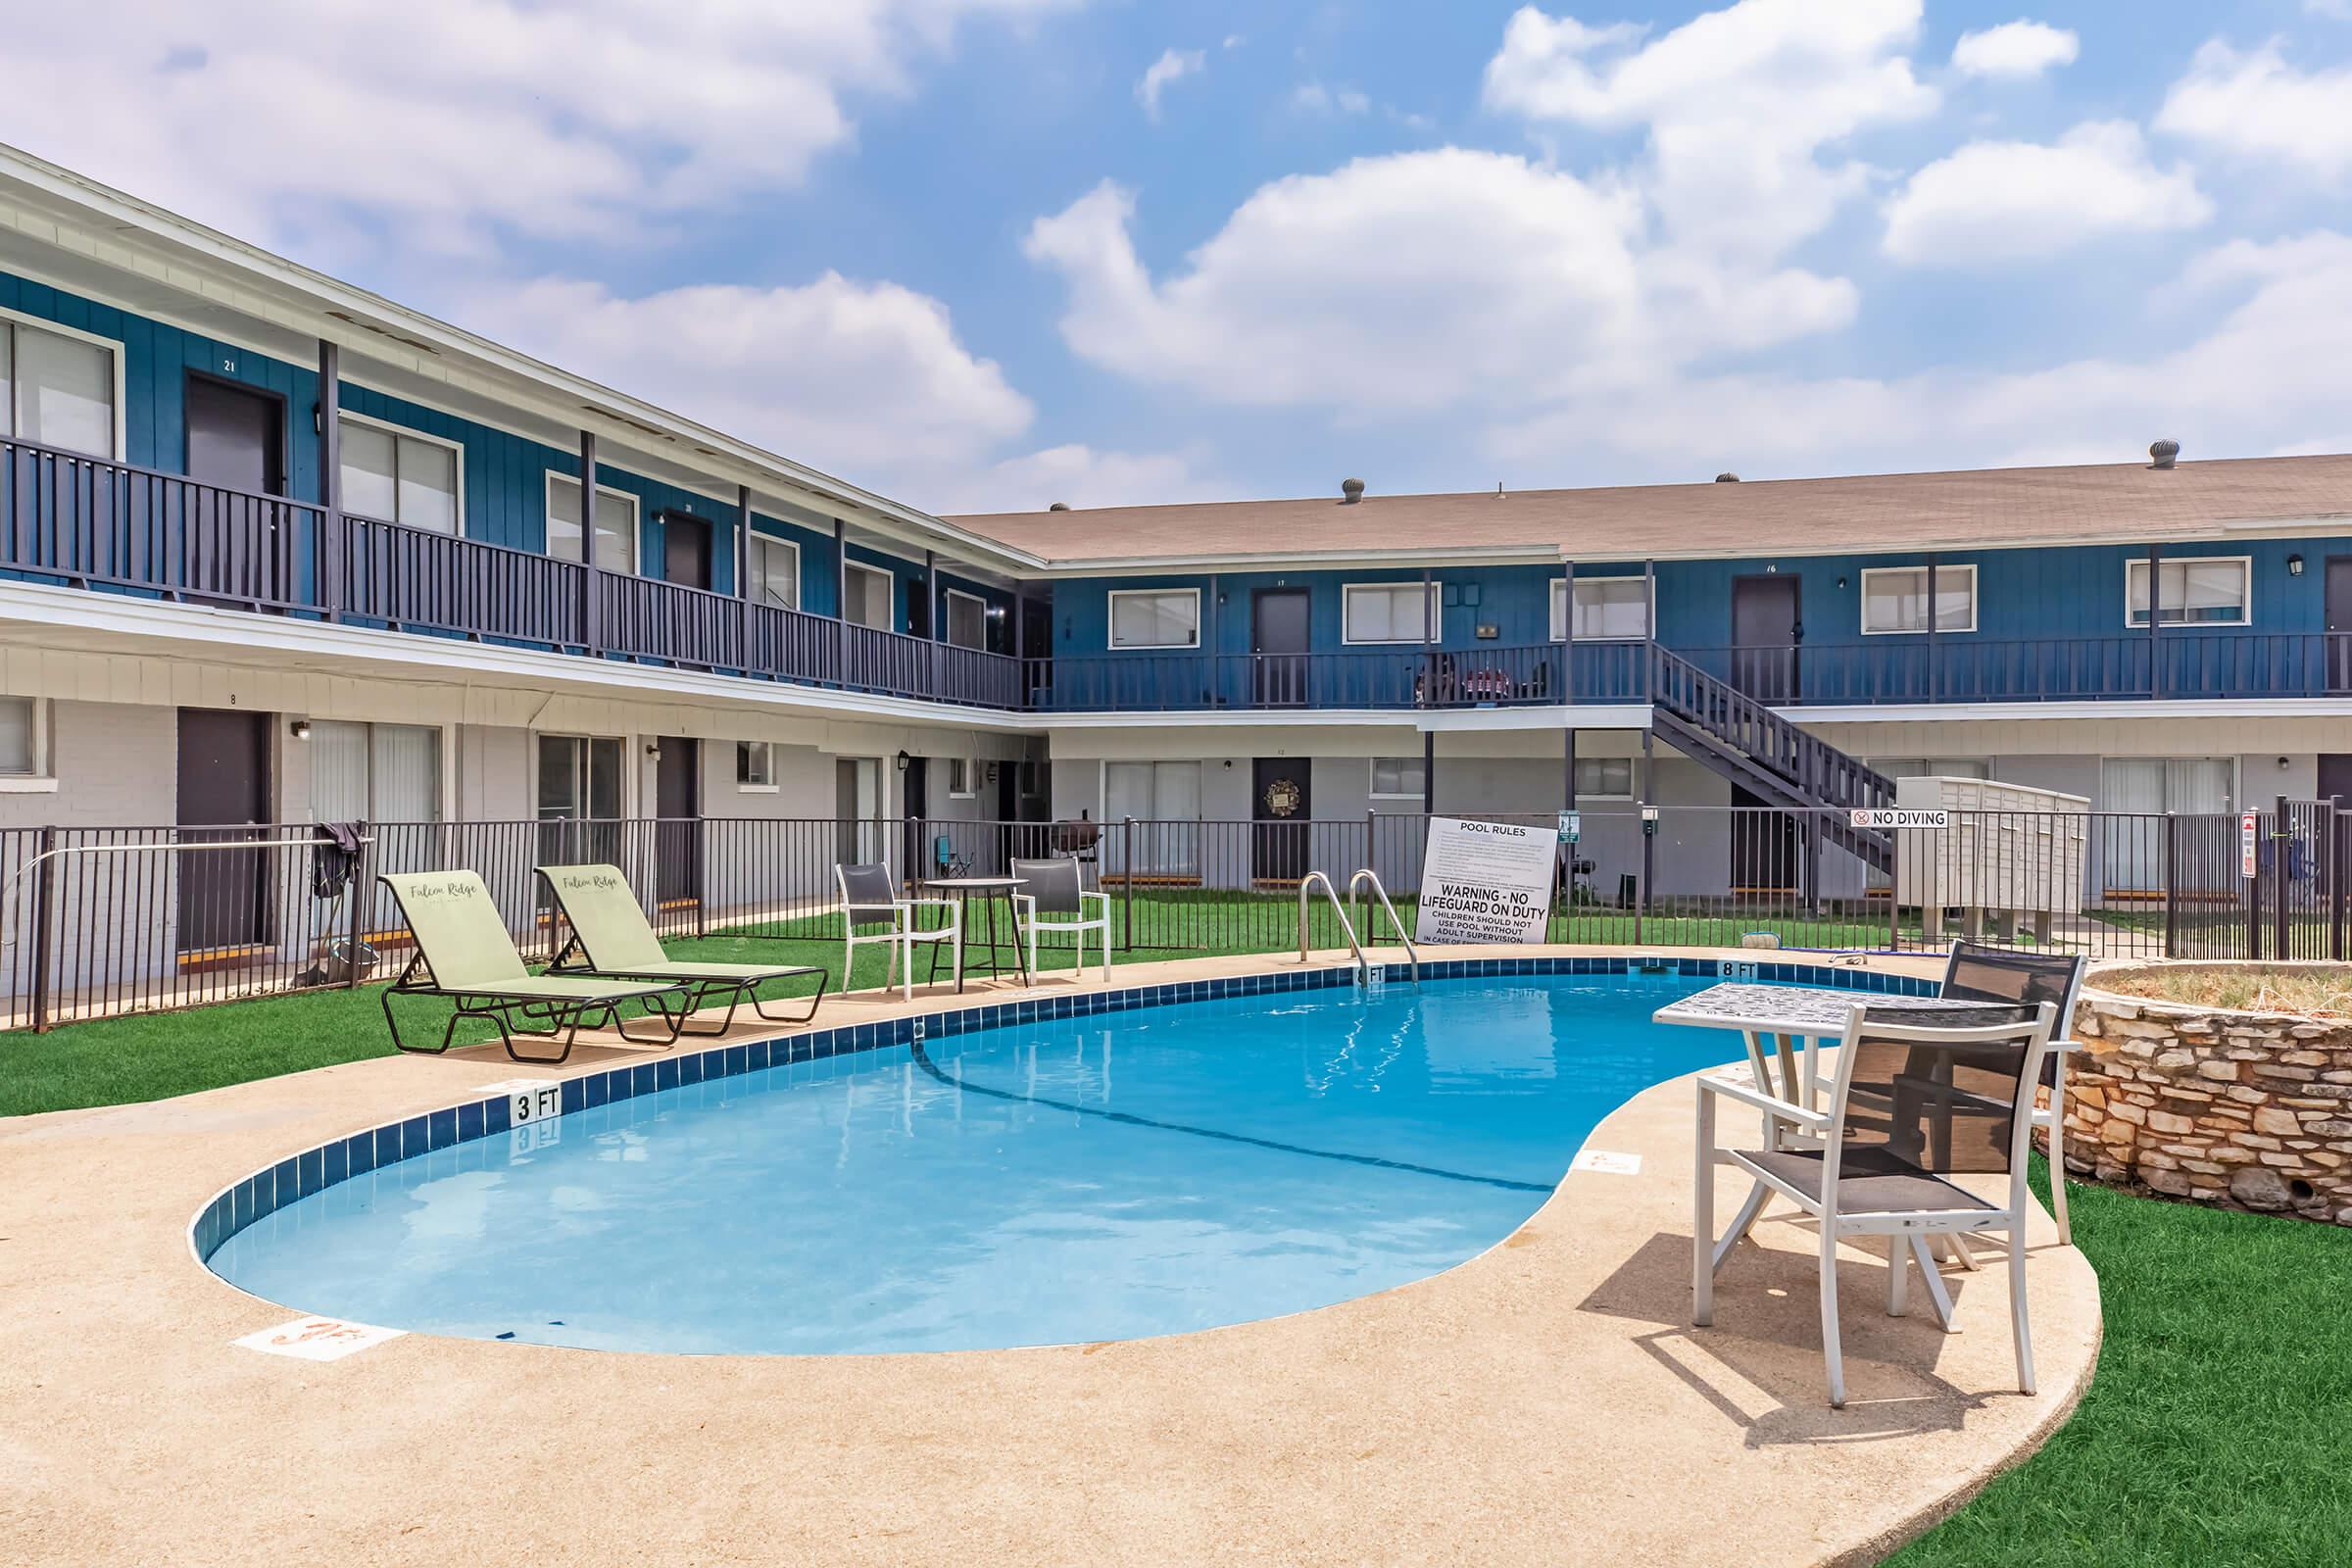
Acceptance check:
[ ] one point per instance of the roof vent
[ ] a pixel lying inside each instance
(1351, 491)
(1727, 477)
(1060, 506)
(2163, 452)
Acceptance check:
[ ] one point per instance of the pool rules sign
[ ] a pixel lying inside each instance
(1486, 881)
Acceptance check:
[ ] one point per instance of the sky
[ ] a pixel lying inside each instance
(993, 254)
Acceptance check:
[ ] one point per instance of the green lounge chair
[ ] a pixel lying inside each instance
(463, 954)
(612, 938)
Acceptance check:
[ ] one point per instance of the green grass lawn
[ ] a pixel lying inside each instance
(2218, 1431)
(113, 1061)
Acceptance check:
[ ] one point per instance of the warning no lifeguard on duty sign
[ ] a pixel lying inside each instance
(1897, 816)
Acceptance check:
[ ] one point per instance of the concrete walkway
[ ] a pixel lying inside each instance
(1547, 1403)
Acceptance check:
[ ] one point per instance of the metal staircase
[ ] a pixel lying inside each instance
(1745, 742)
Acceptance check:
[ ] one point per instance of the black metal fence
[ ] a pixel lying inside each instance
(97, 922)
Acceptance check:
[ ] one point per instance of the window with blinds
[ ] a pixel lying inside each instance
(374, 772)
(57, 388)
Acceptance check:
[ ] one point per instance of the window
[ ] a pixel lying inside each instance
(1894, 599)
(2203, 591)
(374, 772)
(963, 778)
(1606, 608)
(755, 767)
(1932, 766)
(775, 572)
(2153, 785)
(579, 800)
(1604, 778)
(615, 524)
(869, 597)
(399, 476)
(25, 743)
(967, 619)
(1155, 617)
(59, 388)
(1164, 799)
(1388, 612)
(1397, 778)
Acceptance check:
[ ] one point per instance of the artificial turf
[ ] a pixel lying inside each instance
(2218, 1429)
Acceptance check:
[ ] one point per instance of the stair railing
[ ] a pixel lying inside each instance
(1729, 715)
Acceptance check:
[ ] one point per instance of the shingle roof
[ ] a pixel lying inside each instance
(1992, 507)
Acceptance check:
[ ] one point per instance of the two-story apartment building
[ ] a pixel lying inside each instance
(276, 549)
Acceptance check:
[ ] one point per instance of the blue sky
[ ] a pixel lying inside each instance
(994, 253)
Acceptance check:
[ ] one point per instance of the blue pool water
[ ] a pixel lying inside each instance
(1107, 1177)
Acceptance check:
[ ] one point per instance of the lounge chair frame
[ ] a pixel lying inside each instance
(485, 977)
(573, 959)
(565, 1019)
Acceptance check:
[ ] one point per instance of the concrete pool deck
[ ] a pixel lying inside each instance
(1547, 1403)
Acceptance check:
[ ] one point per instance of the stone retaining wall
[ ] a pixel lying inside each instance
(2245, 1109)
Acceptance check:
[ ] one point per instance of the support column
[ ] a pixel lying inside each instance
(1649, 621)
(841, 600)
(331, 566)
(743, 582)
(1650, 839)
(1429, 772)
(1567, 633)
(1210, 643)
(591, 634)
(935, 615)
(1429, 619)
(1935, 682)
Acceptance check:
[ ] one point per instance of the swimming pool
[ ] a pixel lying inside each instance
(1055, 1180)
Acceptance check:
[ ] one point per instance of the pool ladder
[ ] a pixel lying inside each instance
(1363, 964)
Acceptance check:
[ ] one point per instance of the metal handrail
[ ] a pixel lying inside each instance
(8, 888)
(1368, 874)
(1363, 965)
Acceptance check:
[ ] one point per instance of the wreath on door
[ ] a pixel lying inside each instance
(1283, 796)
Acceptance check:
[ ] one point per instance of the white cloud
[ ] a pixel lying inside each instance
(1739, 105)
(2262, 331)
(1411, 284)
(2257, 107)
(2013, 49)
(1081, 476)
(1173, 65)
(869, 381)
(1994, 201)
(435, 122)
(1314, 98)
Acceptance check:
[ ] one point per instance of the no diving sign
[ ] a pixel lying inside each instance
(1884, 816)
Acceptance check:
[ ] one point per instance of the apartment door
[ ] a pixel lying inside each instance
(2335, 776)
(1765, 633)
(223, 781)
(678, 835)
(235, 436)
(2338, 647)
(1278, 644)
(1766, 848)
(1280, 804)
(917, 831)
(686, 548)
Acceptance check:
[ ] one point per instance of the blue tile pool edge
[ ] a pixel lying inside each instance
(286, 1181)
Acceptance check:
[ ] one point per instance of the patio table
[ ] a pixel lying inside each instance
(990, 891)
(1794, 1018)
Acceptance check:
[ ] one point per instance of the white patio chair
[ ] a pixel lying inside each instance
(1053, 898)
(1915, 1096)
(869, 896)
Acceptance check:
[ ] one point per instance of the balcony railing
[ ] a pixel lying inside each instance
(76, 520)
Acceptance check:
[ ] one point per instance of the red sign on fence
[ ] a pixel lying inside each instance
(2249, 838)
